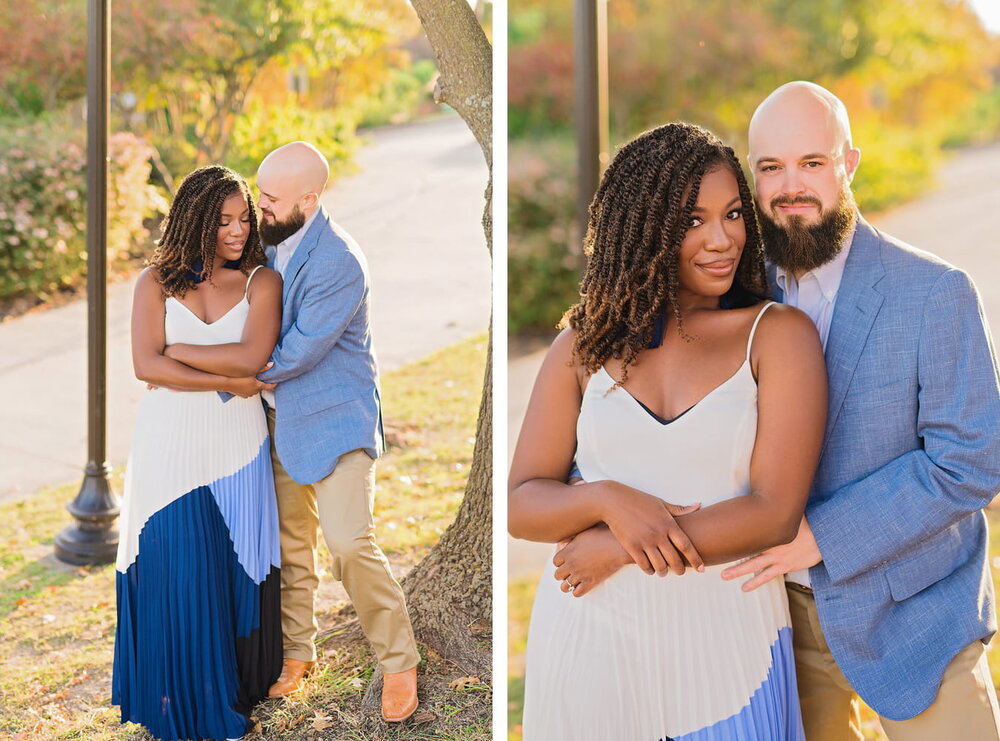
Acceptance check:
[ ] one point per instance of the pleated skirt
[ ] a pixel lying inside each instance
(645, 658)
(198, 640)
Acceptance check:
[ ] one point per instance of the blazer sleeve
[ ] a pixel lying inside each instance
(954, 473)
(326, 310)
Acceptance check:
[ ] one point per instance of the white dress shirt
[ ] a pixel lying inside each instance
(815, 293)
(283, 253)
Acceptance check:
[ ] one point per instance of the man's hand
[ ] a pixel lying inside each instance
(801, 553)
(244, 387)
(263, 384)
(588, 559)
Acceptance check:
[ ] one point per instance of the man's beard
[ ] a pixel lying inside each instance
(273, 234)
(799, 247)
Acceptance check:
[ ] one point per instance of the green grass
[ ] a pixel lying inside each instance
(57, 622)
(521, 594)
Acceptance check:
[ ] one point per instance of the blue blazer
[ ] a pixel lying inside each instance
(910, 459)
(327, 398)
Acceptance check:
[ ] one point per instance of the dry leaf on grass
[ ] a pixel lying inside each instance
(463, 683)
(423, 718)
(357, 682)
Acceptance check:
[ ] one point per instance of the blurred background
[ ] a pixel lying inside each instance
(920, 79)
(223, 82)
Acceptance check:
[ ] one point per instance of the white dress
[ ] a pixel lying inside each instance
(198, 640)
(645, 658)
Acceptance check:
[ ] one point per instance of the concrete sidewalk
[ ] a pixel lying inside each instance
(954, 221)
(414, 207)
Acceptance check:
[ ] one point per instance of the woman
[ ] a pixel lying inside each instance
(199, 637)
(695, 413)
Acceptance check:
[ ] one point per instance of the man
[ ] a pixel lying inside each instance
(326, 428)
(888, 579)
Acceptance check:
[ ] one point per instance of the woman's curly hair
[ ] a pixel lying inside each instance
(638, 219)
(185, 254)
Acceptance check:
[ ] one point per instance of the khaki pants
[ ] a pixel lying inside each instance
(965, 707)
(342, 504)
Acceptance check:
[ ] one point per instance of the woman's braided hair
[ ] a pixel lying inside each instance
(638, 219)
(185, 254)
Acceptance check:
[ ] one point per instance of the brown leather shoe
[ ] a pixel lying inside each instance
(293, 672)
(399, 695)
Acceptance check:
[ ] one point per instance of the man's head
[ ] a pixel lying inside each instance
(803, 162)
(290, 181)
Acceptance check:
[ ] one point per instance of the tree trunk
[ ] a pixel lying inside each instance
(450, 592)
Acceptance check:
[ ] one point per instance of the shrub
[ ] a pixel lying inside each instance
(897, 165)
(265, 127)
(403, 96)
(43, 242)
(544, 252)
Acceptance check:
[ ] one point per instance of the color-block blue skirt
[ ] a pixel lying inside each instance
(198, 640)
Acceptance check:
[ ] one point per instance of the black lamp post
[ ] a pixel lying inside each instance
(590, 42)
(93, 539)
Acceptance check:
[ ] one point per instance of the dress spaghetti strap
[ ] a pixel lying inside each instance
(246, 288)
(753, 329)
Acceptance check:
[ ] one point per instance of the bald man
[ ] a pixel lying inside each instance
(326, 427)
(888, 579)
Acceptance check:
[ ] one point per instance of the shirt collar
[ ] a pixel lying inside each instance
(828, 275)
(293, 241)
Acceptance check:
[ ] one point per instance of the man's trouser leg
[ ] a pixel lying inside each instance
(831, 710)
(965, 707)
(298, 526)
(345, 500)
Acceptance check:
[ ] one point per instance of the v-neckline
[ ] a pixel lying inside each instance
(208, 324)
(648, 411)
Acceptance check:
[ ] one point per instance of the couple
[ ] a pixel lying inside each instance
(704, 424)
(216, 570)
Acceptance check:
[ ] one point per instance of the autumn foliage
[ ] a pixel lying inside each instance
(43, 206)
(916, 75)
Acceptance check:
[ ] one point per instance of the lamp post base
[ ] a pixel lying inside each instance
(93, 539)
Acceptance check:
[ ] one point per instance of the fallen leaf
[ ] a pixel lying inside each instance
(23, 584)
(463, 683)
(424, 718)
(321, 722)
(357, 682)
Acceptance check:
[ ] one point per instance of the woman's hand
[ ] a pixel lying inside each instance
(645, 526)
(588, 559)
(244, 387)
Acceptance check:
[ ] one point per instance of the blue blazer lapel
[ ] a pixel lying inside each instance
(307, 245)
(270, 253)
(858, 303)
(772, 283)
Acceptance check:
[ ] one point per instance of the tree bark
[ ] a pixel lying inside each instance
(450, 592)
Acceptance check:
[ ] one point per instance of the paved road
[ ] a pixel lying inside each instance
(954, 221)
(414, 207)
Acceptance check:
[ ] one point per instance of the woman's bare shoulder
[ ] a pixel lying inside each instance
(785, 331)
(265, 278)
(148, 284)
